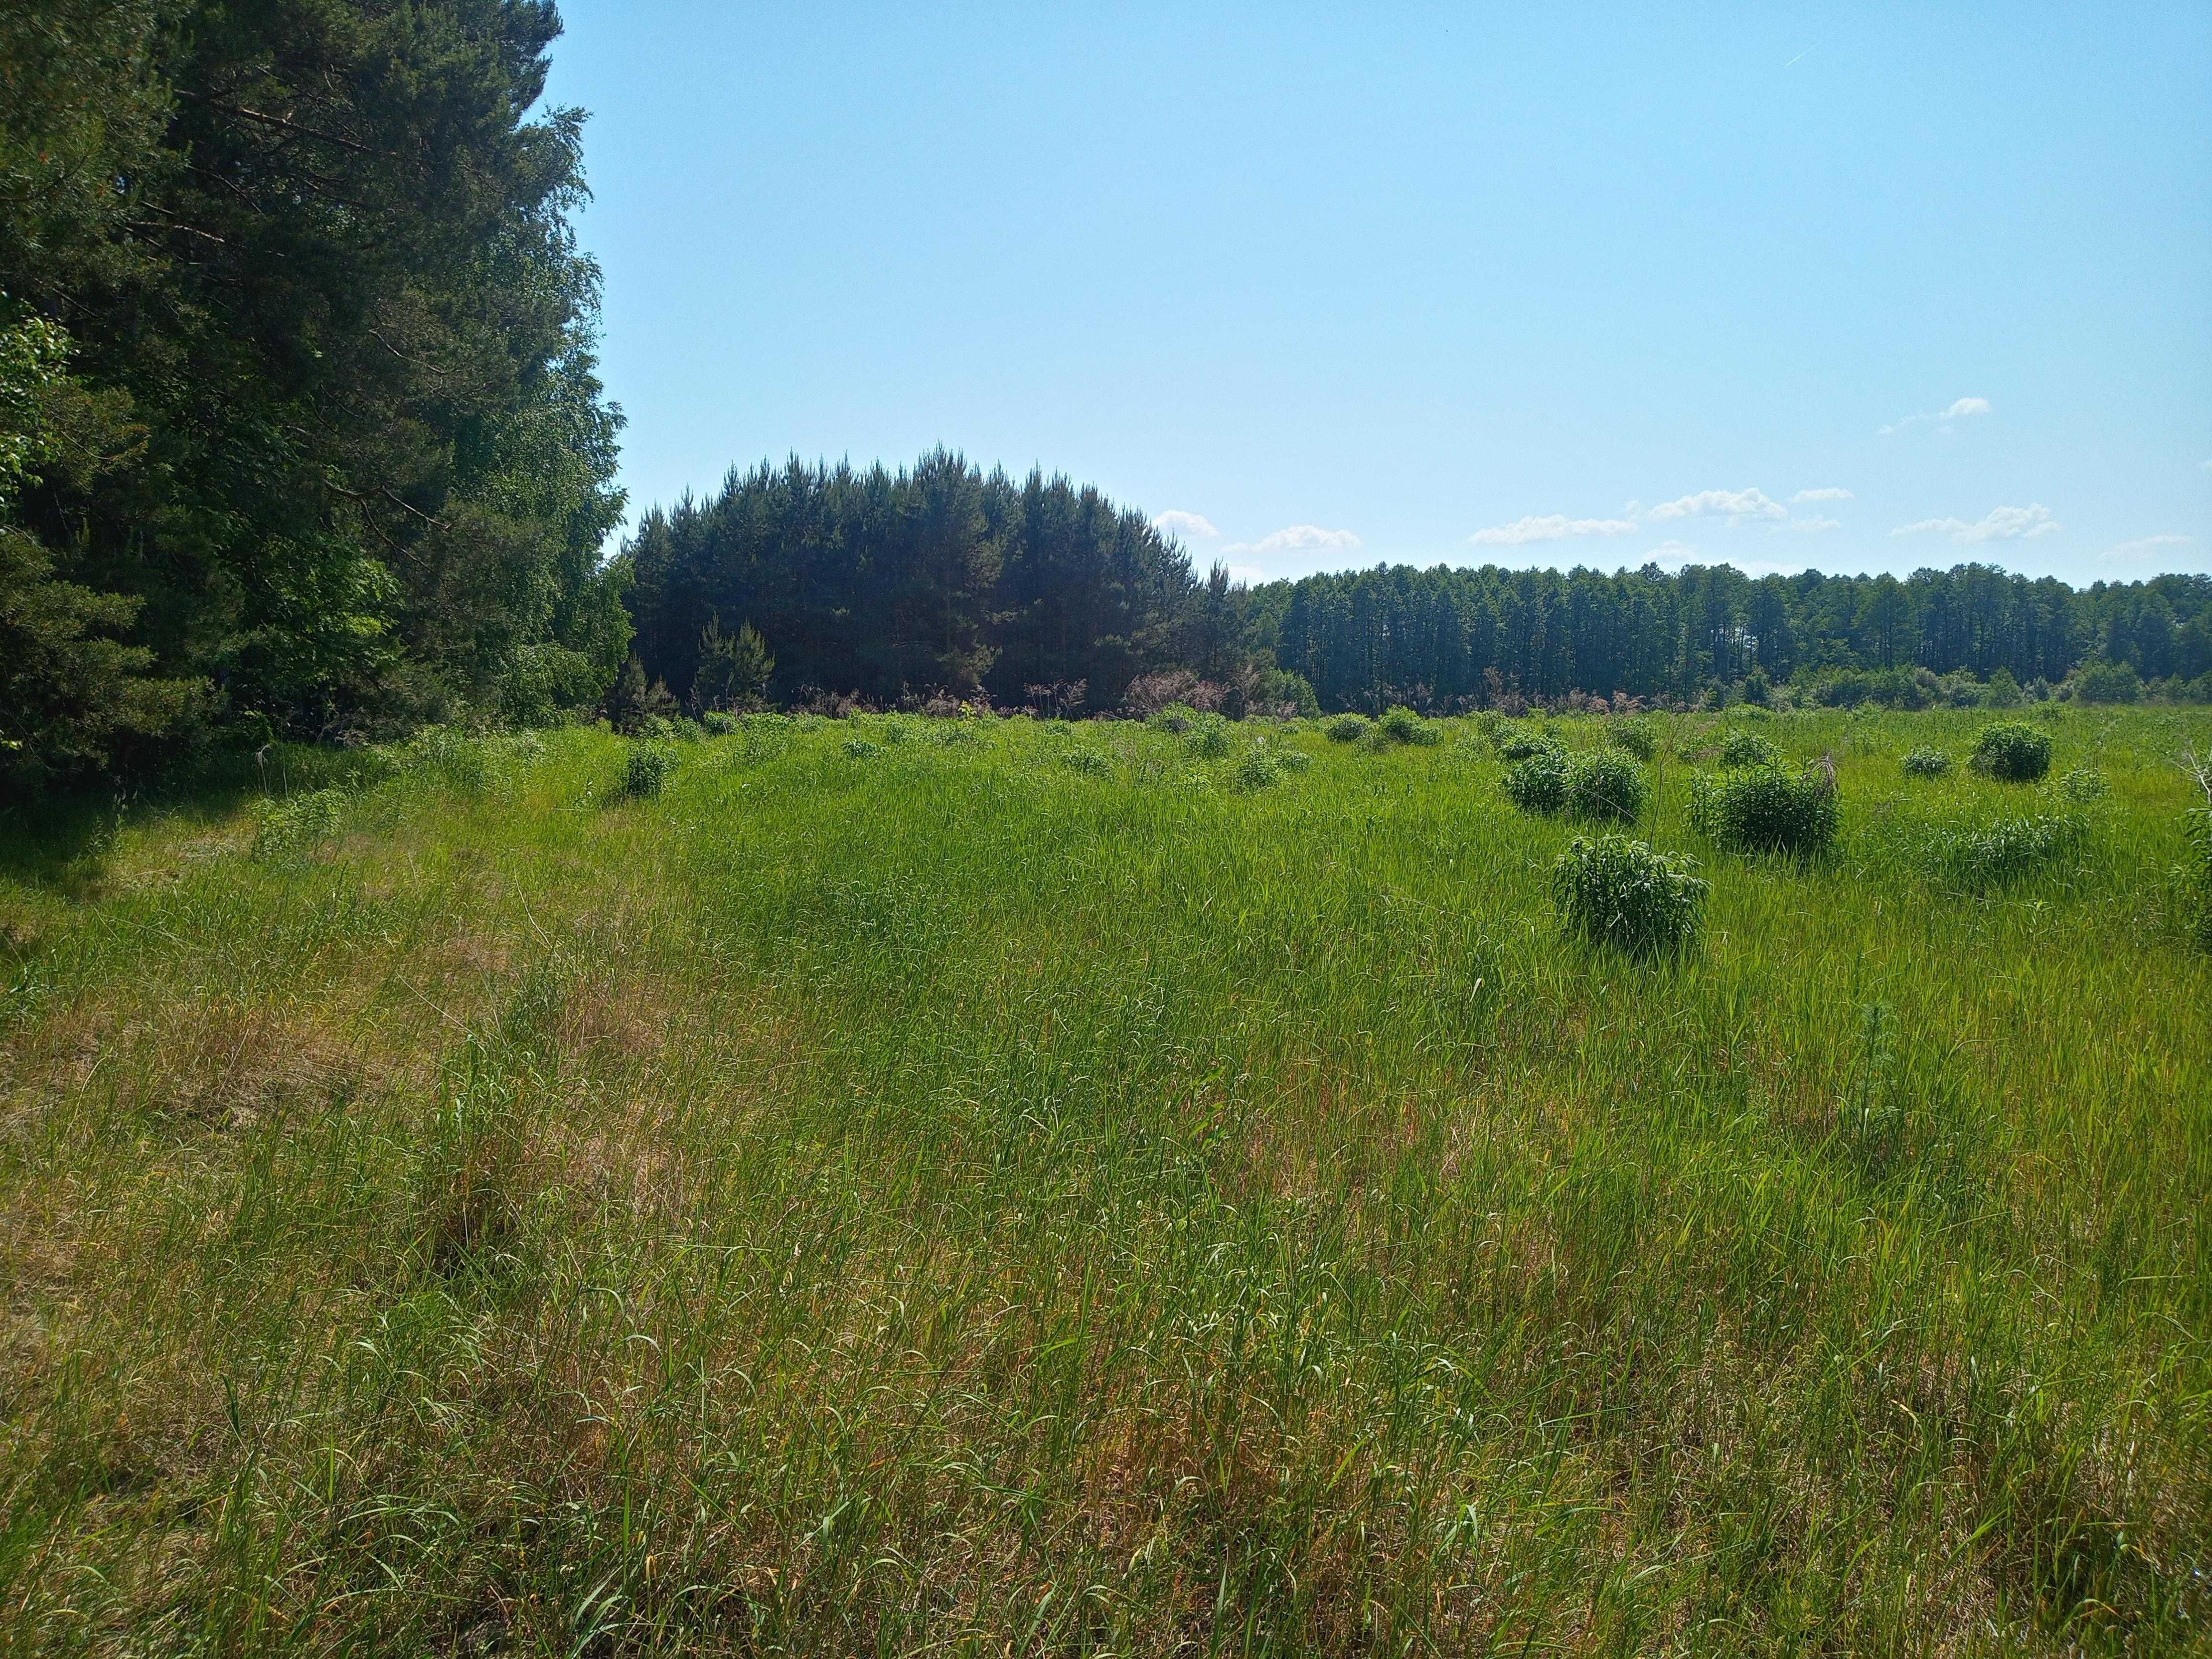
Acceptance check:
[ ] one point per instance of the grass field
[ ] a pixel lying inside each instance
(993, 1187)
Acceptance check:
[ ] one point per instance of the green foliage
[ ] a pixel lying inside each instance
(1538, 781)
(2101, 680)
(861, 749)
(1256, 769)
(1633, 736)
(1401, 725)
(1088, 762)
(2009, 850)
(2081, 786)
(1766, 808)
(449, 759)
(1347, 728)
(1619, 892)
(1208, 737)
(1606, 784)
(288, 828)
(1742, 747)
(633, 707)
(646, 767)
(2012, 753)
(1520, 743)
(1926, 763)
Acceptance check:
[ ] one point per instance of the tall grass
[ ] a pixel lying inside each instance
(961, 1199)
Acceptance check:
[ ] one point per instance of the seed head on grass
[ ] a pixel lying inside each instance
(1620, 893)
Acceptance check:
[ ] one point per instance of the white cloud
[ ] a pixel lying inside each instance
(1831, 494)
(1177, 522)
(1815, 525)
(1250, 574)
(1960, 408)
(1299, 538)
(1547, 527)
(1737, 504)
(2143, 546)
(1999, 524)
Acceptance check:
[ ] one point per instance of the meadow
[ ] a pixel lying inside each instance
(997, 1186)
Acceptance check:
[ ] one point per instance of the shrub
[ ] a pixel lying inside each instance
(2101, 681)
(2012, 752)
(1926, 763)
(645, 769)
(861, 749)
(1741, 748)
(1293, 760)
(720, 724)
(1606, 784)
(1520, 744)
(2082, 784)
(1404, 726)
(1636, 737)
(1620, 892)
(1538, 783)
(288, 828)
(1765, 809)
(2006, 851)
(1347, 728)
(1208, 737)
(1256, 770)
(1086, 761)
(1175, 717)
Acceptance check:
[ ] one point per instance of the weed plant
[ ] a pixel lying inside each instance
(1740, 748)
(1538, 782)
(646, 767)
(1926, 763)
(1767, 809)
(1636, 737)
(1347, 728)
(1401, 725)
(1618, 892)
(2012, 752)
(1606, 784)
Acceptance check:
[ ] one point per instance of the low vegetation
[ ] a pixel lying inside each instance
(2011, 751)
(1042, 1188)
(1768, 808)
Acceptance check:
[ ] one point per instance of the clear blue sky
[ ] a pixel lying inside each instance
(1536, 286)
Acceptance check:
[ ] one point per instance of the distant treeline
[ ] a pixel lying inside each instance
(944, 579)
(300, 432)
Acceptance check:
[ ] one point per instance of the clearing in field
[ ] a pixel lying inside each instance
(987, 1186)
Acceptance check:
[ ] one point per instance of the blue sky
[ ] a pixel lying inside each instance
(1786, 287)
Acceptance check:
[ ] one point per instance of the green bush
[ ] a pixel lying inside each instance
(1404, 726)
(1209, 737)
(1177, 717)
(1765, 809)
(1926, 763)
(861, 749)
(1741, 748)
(2007, 851)
(288, 828)
(1619, 892)
(2198, 823)
(2012, 752)
(1538, 783)
(2081, 785)
(1087, 761)
(1347, 728)
(1293, 760)
(645, 769)
(720, 724)
(1256, 770)
(1636, 737)
(1520, 743)
(1605, 783)
(2101, 681)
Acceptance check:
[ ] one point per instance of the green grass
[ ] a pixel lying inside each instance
(1019, 1189)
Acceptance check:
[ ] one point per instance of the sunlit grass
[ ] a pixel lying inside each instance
(990, 1186)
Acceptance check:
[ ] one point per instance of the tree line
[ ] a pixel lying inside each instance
(300, 430)
(942, 578)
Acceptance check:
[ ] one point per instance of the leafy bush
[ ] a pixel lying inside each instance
(1741, 748)
(2012, 752)
(1620, 892)
(1209, 737)
(720, 724)
(1538, 783)
(644, 770)
(2099, 680)
(287, 828)
(1520, 743)
(2006, 851)
(861, 749)
(1175, 717)
(1293, 760)
(1404, 726)
(1926, 763)
(1636, 737)
(2081, 785)
(1347, 728)
(1605, 783)
(1256, 770)
(1765, 809)
(1087, 761)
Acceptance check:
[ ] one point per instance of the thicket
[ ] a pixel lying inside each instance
(1619, 892)
(1767, 809)
(300, 428)
(2011, 751)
